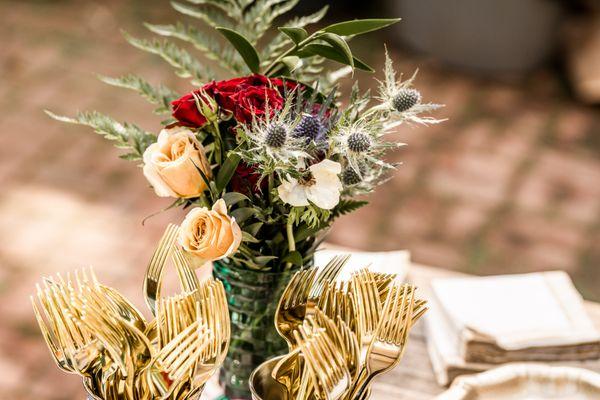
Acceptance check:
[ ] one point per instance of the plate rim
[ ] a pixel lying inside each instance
(464, 385)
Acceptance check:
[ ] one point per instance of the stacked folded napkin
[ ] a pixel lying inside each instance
(386, 262)
(477, 322)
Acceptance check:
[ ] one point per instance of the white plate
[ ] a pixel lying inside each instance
(526, 382)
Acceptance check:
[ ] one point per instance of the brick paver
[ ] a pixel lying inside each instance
(510, 183)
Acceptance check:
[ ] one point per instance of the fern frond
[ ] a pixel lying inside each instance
(347, 206)
(185, 65)
(213, 16)
(210, 47)
(262, 13)
(125, 135)
(161, 96)
(229, 7)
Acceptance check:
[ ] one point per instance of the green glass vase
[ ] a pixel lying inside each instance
(253, 297)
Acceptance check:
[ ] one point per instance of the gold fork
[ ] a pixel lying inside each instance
(73, 347)
(342, 336)
(292, 305)
(325, 363)
(213, 310)
(338, 300)
(180, 356)
(325, 276)
(154, 273)
(369, 304)
(187, 276)
(387, 348)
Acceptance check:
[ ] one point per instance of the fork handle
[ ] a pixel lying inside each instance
(361, 388)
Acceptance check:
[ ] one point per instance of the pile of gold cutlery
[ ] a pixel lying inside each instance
(93, 331)
(341, 334)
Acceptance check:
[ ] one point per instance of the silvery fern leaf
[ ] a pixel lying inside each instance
(210, 47)
(125, 135)
(185, 65)
(212, 16)
(161, 96)
(262, 13)
(229, 7)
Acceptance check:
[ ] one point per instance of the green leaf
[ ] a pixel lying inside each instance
(262, 260)
(246, 237)
(293, 257)
(332, 54)
(253, 228)
(244, 47)
(338, 43)
(291, 62)
(232, 198)
(359, 26)
(227, 170)
(242, 214)
(304, 232)
(296, 34)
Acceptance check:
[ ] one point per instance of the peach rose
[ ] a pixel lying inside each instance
(210, 234)
(171, 164)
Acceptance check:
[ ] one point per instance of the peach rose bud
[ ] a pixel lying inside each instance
(171, 164)
(210, 234)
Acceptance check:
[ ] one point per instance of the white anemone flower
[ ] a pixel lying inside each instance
(322, 186)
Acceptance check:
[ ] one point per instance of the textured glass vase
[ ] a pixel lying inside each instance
(253, 297)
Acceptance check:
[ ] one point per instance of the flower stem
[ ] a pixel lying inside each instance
(218, 143)
(271, 184)
(290, 237)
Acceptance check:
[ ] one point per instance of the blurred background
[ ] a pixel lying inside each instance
(510, 183)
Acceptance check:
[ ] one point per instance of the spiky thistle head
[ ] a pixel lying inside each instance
(358, 142)
(406, 99)
(400, 101)
(276, 135)
(350, 176)
(310, 127)
(269, 141)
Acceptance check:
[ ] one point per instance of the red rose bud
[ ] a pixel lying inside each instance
(186, 111)
(207, 106)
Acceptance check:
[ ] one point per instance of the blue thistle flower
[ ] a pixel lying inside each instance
(310, 127)
(276, 136)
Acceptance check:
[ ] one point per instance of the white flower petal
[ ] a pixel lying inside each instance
(325, 166)
(324, 196)
(291, 192)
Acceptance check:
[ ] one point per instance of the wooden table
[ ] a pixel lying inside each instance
(413, 379)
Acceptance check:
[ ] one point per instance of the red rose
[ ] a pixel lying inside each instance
(254, 101)
(244, 97)
(186, 111)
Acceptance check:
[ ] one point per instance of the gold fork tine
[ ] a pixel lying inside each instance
(153, 278)
(329, 273)
(189, 280)
(325, 363)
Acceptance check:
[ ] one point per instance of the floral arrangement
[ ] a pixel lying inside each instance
(269, 159)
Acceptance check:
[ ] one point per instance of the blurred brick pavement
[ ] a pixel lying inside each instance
(510, 183)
